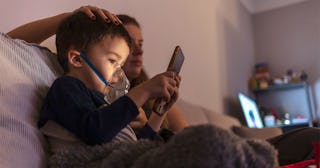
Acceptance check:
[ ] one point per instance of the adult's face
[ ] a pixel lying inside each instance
(134, 63)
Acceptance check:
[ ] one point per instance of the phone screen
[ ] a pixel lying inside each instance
(176, 61)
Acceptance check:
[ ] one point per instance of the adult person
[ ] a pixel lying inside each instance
(133, 67)
(176, 121)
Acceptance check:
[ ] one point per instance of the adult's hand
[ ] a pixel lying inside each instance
(40, 30)
(103, 13)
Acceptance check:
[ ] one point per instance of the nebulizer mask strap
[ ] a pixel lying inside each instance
(120, 83)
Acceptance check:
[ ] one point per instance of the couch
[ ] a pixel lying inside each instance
(27, 72)
(196, 114)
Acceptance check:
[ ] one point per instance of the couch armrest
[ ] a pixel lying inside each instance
(221, 120)
(257, 133)
(193, 113)
(196, 114)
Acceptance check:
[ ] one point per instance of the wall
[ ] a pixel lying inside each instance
(256, 6)
(216, 38)
(289, 38)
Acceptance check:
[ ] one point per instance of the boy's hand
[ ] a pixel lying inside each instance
(162, 85)
(106, 15)
(155, 120)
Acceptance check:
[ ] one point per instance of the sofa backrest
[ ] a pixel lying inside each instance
(196, 114)
(26, 72)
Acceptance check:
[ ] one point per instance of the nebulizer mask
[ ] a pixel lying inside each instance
(119, 84)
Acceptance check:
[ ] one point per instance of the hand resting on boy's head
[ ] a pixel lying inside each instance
(106, 15)
(40, 30)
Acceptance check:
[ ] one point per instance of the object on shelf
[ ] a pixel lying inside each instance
(261, 77)
(299, 119)
(263, 84)
(303, 76)
(295, 77)
(262, 71)
(269, 120)
(253, 84)
(282, 87)
(286, 119)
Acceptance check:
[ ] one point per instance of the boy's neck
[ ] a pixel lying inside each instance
(90, 83)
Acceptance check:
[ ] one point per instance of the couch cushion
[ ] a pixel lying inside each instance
(257, 133)
(221, 120)
(193, 113)
(196, 114)
(27, 71)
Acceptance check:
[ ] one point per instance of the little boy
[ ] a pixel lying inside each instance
(90, 52)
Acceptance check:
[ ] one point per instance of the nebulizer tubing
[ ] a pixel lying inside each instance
(86, 59)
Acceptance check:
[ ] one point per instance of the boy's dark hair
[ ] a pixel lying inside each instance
(126, 19)
(81, 32)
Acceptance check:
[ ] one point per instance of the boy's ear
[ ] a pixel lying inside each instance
(74, 58)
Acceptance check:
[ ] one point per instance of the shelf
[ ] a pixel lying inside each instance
(305, 123)
(282, 87)
(293, 98)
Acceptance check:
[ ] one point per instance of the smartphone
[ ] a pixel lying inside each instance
(175, 65)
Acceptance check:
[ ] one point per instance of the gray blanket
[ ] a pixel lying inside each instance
(204, 146)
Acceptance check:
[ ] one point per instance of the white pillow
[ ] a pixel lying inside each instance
(194, 114)
(26, 72)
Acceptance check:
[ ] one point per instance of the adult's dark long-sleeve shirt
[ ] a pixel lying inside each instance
(78, 109)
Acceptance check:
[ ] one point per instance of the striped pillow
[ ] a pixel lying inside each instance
(26, 72)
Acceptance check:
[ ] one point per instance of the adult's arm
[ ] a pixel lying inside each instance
(40, 30)
(176, 120)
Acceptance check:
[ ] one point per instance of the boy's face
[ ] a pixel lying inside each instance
(107, 56)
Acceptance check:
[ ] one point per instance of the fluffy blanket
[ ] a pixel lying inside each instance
(198, 146)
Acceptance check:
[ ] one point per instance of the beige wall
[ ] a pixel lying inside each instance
(215, 36)
(289, 38)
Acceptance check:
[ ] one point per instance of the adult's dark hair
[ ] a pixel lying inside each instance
(81, 32)
(126, 19)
